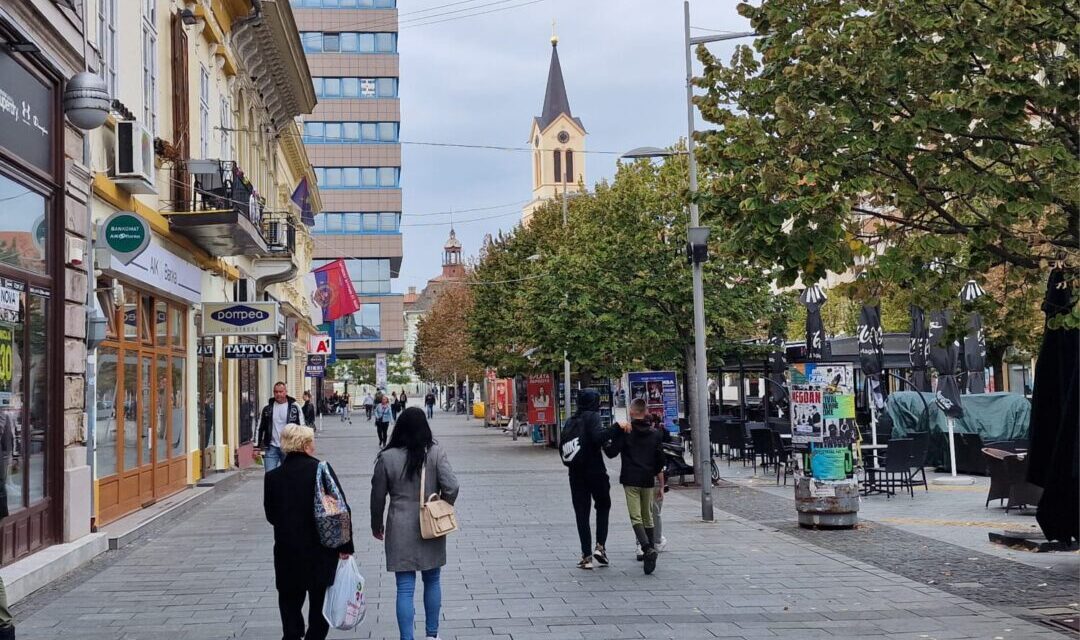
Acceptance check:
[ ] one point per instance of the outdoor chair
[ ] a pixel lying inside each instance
(736, 442)
(764, 448)
(784, 458)
(1021, 492)
(999, 478)
(895, 471)
(920, 450)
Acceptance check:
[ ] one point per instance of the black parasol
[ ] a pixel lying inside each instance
(872, 350)
(974, 350)
(943, 357)
(919, 345)
(812, 298)
(1055, 420)
(777, 368)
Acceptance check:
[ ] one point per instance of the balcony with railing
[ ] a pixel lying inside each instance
(222, 214)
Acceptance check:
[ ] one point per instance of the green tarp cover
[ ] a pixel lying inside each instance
(994, 416)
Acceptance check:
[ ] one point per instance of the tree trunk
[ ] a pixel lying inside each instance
(995, 357)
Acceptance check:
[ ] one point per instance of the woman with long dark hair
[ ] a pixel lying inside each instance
(411, 450)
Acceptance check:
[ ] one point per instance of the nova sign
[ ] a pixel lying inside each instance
(246, 318)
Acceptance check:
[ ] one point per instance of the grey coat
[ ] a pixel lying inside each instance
(406, 550)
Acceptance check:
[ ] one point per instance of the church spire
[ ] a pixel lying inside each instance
(555, 100)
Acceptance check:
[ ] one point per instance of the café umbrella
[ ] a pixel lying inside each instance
(919, 344)
(974, 342)
(812, 298)
(871, 361)
(943, 356)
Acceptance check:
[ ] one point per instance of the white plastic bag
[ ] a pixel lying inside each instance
(345, 606)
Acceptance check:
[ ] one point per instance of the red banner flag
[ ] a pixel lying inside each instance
(335, 291)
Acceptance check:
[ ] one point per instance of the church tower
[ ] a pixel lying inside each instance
(452, 266)
(557, 140)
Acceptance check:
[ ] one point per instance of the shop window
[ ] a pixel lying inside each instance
(161, 324)
(24, 228)
(161, 425)
(131, 383)
(179, 443)
(37, 398)
(146, 319)
(105, 427)
(249, 401)
(177, 330)
(131, 314)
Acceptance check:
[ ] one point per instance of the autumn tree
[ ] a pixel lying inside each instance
(442, 342)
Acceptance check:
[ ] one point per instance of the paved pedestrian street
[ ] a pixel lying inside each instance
(511, 573)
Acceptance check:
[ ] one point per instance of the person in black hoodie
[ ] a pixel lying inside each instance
(641, 449)
(589, 485)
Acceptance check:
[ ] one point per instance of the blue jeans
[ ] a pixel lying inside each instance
(272, 458)
(406, 611)
(430, 410)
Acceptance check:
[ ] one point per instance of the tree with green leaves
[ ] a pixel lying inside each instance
(443, 351)
(937, 140)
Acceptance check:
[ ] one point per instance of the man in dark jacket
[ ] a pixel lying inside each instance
(641, 448)
(589, 484)
(308, 410)
(280, 411)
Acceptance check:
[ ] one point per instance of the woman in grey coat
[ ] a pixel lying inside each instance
(397, 476)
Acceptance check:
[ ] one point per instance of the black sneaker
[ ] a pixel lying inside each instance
(650, 561)
(585, 563)
(600, 556)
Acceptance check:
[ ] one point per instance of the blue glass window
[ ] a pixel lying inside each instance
(349, 42)
(358, 223)
(350, 132)
(353, 87)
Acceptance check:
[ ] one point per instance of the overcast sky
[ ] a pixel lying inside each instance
(481, 80)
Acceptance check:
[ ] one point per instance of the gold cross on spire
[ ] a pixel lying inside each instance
(554, 36)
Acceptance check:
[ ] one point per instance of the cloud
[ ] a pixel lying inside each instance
(481, 81)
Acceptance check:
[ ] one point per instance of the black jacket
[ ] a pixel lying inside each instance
(642, 454)
(266, 422)
(309, 414)
(594, 436)
(300, 559)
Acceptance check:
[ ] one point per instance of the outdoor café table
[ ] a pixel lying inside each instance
(873, 448)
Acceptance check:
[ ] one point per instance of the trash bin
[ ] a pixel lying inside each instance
(478, 410)
(827, 505)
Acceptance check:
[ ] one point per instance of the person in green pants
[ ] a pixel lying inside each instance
(641, 449)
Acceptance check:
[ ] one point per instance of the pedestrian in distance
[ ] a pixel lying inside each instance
(429, 403)
(640, 448)
(280, 411)
(397, 477)
(345, 406)
(303, 567)
(369, 406)
(383, 415)
(583, 443)
(395, 404)
(403, 401)
(308, 410)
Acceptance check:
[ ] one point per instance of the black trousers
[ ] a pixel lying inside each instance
(382, 428)
(291, 606)
(591, 490)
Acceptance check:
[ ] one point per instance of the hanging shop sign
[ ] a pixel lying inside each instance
(321, 344)
(380, 370)
(316, 366)
(205, 348)
(240, 319)
(26, 113)
(541, 392)
(248, 351)
(660, 391)
(126, 235)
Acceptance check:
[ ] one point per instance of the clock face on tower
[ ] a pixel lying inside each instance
(564, 137)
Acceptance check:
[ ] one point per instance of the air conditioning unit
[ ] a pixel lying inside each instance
(134, 157)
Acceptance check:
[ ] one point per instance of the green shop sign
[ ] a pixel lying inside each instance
(125, 235)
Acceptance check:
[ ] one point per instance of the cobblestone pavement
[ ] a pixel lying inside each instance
(511, 573)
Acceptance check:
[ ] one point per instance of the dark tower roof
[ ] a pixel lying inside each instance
(555, 100)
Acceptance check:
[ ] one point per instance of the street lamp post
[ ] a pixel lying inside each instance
(696, 239)
(566, 359)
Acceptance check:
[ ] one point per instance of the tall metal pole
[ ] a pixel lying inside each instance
(566, 359)
(700, 430)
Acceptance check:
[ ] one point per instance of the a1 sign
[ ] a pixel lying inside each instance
(321, 344)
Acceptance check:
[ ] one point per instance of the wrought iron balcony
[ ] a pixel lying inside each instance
(220, 212)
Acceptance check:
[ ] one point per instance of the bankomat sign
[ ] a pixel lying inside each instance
(240, 319)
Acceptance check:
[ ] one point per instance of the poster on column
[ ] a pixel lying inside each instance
(541, 399)
(660, 391)
(822, 405)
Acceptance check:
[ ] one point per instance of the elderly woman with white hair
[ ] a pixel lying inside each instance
(303, 567)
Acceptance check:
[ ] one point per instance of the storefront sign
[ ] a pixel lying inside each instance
(10, 301)
(126, 235)
(316, 366)
(240, 318)
(380, 370)
(541, 399)
(321, 344)
(26, 114)
(660, 391)
(206, 349)
(247, 351)
(159, 270)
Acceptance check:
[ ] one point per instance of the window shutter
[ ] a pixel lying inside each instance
(181, 137)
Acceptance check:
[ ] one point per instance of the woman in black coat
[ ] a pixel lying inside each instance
(303, 567)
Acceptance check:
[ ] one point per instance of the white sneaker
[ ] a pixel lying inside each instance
(432, 638)
(662, 544)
